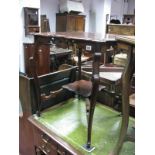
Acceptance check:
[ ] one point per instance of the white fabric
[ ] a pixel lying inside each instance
(68, 6)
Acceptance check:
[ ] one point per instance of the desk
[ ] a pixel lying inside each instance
(65, 127)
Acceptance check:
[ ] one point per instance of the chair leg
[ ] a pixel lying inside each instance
(123, 134)
(88, 146)
(125, 117)
(87, 108)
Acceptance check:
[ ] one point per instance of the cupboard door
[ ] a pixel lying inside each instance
(61, 22)
(42, 59)
(80, 23)
(28, 53)
(71, 23)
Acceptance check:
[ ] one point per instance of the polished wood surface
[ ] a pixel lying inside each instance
(42, 58)
(83, 36)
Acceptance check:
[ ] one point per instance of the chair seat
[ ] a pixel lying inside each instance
(81, 87)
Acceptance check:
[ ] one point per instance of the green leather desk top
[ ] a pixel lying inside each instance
(69, 122)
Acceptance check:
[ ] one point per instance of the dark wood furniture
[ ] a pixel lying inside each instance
(97, 41)
(86, 89)
(121, 29)
(27, 96)
(70, 23)
(42, 58)
(81, 38)
(31, 20)
(51, 133)
(128, 44)
(25, 128)
(47, 143)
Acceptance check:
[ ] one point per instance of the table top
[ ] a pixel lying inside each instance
(86, 36)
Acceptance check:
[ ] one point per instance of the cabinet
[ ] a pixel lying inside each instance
(31, 20)
(42, 59)
(70, 23)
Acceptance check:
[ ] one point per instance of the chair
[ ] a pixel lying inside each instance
(86, 89)
(128, 72)
(113, 76)
(111, 73)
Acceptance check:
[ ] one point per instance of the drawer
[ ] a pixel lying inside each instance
(47, 145)
(44, 143)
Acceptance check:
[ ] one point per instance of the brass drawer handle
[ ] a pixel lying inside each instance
(60, 153)
(40, 50)
(43, 139)
(43, 150)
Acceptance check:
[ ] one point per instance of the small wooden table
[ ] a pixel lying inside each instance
(99, 43)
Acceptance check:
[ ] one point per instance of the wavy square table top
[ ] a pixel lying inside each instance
(85, 36)
(68, 121)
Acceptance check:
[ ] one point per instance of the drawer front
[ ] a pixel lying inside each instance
(47, 145)
(44, 143)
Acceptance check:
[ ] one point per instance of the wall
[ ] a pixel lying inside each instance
(98, 11)
(117, 8)
(23, 38)
(50, 8)
(131, 6)
(120, 7)
(86, 4)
